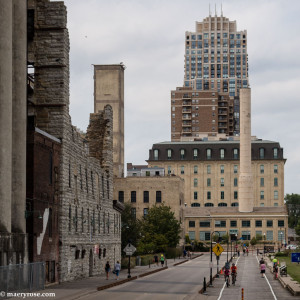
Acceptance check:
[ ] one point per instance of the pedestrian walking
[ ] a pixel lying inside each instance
(262, 269)
(247, 251)
(107, 269)
(156, 260)
(162, 260)
(184, 253)
(238, 252)
(117, 269)
(244, 251)
(189, 254)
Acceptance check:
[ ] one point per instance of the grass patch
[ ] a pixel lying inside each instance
(293, 269)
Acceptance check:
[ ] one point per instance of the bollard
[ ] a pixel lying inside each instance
(242, 293)
(204, 285)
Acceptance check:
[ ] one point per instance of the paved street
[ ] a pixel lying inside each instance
(174, 283)
(249, 278)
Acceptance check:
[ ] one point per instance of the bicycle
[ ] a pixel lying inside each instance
(233, 278)
(227, 280)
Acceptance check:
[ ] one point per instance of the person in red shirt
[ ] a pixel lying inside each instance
(233, 272)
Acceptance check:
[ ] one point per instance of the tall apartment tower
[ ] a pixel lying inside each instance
(216, 67)
(109, 89)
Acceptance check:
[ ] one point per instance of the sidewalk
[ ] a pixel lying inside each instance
(79, 288)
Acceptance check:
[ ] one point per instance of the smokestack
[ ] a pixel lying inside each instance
(245, 178)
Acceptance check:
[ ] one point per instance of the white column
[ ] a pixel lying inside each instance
(245, 178)
(5, 114)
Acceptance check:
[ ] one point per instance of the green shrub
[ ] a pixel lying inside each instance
(124, 262)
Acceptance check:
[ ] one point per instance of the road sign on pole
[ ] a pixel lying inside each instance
(218, 249)
(129, 249)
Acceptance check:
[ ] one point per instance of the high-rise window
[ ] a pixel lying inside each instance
(158, 196)
(262, 182)
(208, 195)
(195, 169)
(275, 181)
(208, 169)
(275, 153)
(208, 182)
(275, 195)
(262, 195)
(146, 196)
(275, 169)
(222, 195)
(235, 169)
(155, 154)
(235, 153)
(121, 196)
(222, 153)
(261, 153)
(222, 182)
(222, 169)
(262, 169)
(182, 170)
(133, 196)
(208, 153)
(169, 153)
(235, 182)
(195, 182)
(182, 154)
(195, 195)
(195, 152)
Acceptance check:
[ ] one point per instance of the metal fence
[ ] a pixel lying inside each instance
(22, 278)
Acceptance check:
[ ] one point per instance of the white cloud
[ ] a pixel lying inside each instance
(148, 36)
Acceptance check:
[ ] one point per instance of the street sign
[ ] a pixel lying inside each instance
(218, 249)
(129, 249)
(295, 257)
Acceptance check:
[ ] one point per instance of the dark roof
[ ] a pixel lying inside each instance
(215, 147)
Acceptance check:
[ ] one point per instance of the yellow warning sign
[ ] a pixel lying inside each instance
(218, 249)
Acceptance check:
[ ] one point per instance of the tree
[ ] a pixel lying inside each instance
(293, 204)
(253, 241)
(160, 230)
(131, 227)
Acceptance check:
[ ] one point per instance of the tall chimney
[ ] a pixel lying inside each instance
(245, 178)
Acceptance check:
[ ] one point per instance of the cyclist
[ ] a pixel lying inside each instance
(233, 272)
(227, 276)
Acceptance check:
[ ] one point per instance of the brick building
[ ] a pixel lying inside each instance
(216, 67)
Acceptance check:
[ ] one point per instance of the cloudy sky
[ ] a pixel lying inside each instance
(148, 37)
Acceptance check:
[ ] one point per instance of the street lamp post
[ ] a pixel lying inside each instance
(210, 280)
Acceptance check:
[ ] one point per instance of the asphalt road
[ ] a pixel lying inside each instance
(174, 283)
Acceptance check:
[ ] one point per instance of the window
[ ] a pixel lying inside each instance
(222, 195)
(245, 223)
(275, 195)
(182, 170)
(269, 235)
(275, 169)
(146, 196)
(261, 153)
(192, 235)
(258, 223)
(222, 169)
(235, 182)
(158, 196)
(208, 153)
(275, 153)
(133, 196)
(169, 153)
(208, 195)
(275, 181)
(222, 153)
(222, 204)
(204, 224)
(146, 211)
(234, 204)
(219, 223)
(208, 204)
(195, 169)
(233, 223)
(235, 153)
(195, 195)
(208, 169)
(246, 235)
(262, 182)
(235, 169)
(195, 182)
(195, 205)
(281, 236)
(204, 236)
(155, 154)
(262, 195)
(269, 223)
(208, 182)
(191, 223)
(222, 181)
(169, 170)
(182, 154)
(195, 152)
(235, 194)
(133, 212)
(147, 173)
(121, 196)
(262, 169)
(280, 223)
